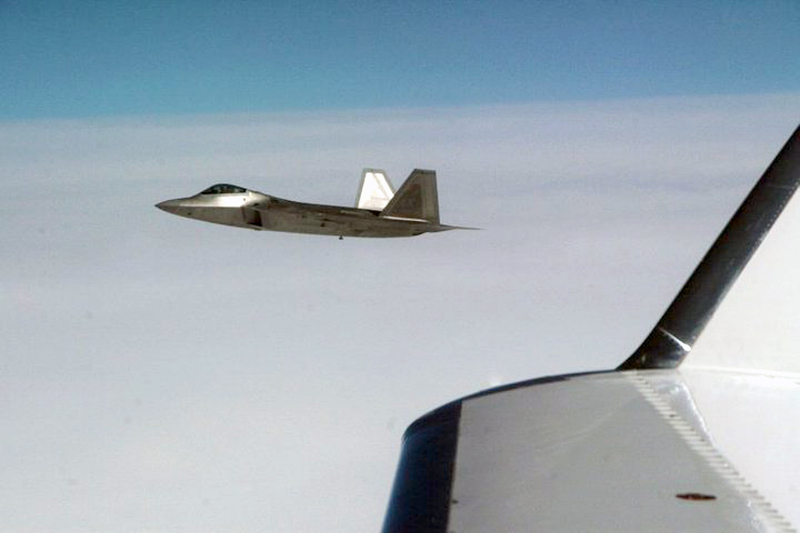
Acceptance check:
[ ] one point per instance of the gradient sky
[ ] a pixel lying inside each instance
(90, 58)
(163, 375)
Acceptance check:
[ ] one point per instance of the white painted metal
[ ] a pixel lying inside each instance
(754, 420)
(607, 452)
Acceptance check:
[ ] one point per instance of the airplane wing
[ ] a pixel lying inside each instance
(699, 430)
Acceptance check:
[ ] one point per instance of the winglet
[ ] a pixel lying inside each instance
(738, 258)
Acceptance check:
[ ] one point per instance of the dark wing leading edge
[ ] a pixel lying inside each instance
(697, 431)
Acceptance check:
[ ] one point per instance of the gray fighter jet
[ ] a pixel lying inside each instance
(379, 211)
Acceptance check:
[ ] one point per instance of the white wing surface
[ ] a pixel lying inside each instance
(698, 430)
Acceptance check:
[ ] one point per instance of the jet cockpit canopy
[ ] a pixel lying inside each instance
(224, 188)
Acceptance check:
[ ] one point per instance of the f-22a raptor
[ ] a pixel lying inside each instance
(379, 211)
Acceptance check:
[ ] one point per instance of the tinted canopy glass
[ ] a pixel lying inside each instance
(224, 188)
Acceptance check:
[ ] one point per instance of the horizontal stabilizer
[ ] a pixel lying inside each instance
(740, 309)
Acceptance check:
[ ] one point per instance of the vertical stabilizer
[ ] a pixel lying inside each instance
(417, 198)
(375, 191)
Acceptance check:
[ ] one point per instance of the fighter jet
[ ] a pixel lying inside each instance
(378, 212)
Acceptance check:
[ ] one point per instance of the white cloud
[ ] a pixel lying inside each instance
(164, 375)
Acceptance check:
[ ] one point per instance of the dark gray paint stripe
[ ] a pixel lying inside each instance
(421, 494)
(420, 499)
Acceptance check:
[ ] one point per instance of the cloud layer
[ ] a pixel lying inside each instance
(165, 375)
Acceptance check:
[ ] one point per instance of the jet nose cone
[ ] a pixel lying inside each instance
(170, 206)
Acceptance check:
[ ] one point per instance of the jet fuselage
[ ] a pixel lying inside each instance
(258, 211)
(379, 211)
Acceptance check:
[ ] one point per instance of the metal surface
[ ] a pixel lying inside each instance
(613, 451)
(375, 190)
(420, 499)
(754, 422)
(412, 211)
(417, 198)
(690, 312)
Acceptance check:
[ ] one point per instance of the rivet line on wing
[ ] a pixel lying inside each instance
(770, 516)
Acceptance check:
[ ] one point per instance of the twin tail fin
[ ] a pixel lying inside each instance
(375, 190)
(417, 198)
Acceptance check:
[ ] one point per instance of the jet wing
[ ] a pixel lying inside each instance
(697, 431)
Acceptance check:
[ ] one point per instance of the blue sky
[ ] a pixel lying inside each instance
(86, 59)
